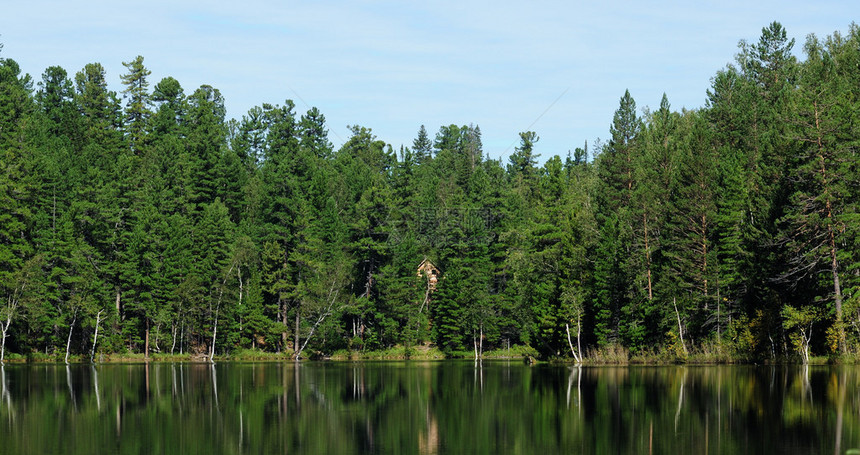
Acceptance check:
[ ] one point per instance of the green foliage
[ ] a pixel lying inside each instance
(689, 235)
(798, 322)
(137, 110)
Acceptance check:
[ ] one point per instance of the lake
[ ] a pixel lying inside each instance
(426, 407)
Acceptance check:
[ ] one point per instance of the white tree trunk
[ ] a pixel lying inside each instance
(173, 345)
(241, 291)
(805, 340)
(217, 311)
(481, 342)
(332, 299)
(680, 327)
(214, 333)
(570, 343)
(5, 327)
(426, 299)
(69, 339)
(579, 337)
(320, 319)
(11, 306)
(95, 337)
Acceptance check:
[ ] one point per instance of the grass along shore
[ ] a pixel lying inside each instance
(608, 355)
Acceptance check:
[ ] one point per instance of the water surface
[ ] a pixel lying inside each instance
(432, 407)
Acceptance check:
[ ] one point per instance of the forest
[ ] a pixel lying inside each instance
(147, 222)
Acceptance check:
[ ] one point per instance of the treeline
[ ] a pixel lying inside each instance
(148, 222)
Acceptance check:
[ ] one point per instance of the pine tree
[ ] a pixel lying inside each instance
(655, 173)
(137, 110)
(820, 207)
(19, 266)
(366, 162)
(103, 206)
(314, 134)
(216, 271)
(250, 139)
(523, 166)
(422, 147)
(691, 268)
(206, 144)
(56, 98)
(614, 272)
(617, 158)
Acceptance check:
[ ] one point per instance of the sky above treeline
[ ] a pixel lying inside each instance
(554, 67)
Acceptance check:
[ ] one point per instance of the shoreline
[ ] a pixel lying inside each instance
(423, 353)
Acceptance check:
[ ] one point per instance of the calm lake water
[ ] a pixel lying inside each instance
(433, 407)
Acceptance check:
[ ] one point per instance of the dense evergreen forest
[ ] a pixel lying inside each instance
(145, 221)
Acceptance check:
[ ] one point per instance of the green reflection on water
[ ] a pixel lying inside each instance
(412, 407)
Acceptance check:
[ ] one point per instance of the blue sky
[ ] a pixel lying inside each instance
(554, 67)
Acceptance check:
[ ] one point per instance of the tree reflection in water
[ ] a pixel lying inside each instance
(415, 407)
